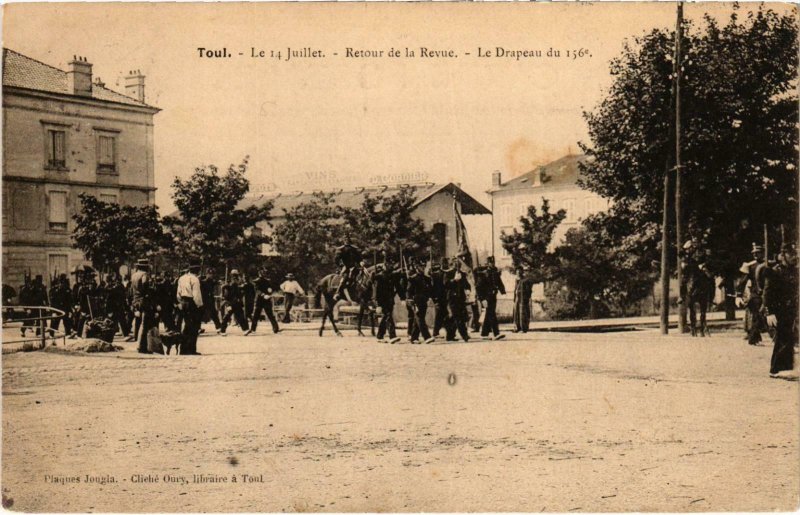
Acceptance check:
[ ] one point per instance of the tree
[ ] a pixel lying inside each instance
(387, 224)
(209, 226)
(110, 235)
(307, 237)
(598, 272)
(529, 247)
(739, 134)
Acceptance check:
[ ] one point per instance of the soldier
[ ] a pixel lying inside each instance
(61, 298)
(781, 308)
(387, 285)
(208, 285)
(750, 274)
(347, 256)
(264, 291)
(491, 284)
(232, 303)
(190, 297)
(456, 286)
(165, 295)
(417, 294)
(89, 299)
(144, 302)
(438, 295)
(249, 292)
(35, 294)
(116, 303)
(522, 301)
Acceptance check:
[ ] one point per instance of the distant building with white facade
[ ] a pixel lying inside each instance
(556, 182)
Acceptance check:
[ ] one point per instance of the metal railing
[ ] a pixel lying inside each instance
(34, 319)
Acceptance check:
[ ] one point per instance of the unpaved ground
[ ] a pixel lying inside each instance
(555, 422)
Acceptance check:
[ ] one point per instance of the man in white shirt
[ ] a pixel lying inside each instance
(190, 297)
(290, 288)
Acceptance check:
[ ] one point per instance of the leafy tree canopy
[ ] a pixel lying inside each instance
(210, 227)
(529, 247)
(739, 133)
(110, 235)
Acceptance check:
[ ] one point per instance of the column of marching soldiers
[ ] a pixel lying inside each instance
(136, 304)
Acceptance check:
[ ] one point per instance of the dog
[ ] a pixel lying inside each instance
(163, 343)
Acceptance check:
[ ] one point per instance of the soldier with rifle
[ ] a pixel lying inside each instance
(418, 290)
(233, 303)
(387, 285)
(456, 286)
(61, 298)
(490, 285)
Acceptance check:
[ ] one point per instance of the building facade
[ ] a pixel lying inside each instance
(556, 182)
(65, 133)
(433, 206)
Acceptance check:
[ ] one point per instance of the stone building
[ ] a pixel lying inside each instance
(433, 205)
(65, 133)
(556, 182)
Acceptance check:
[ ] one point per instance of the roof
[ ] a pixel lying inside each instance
(354, 198)
(563, 171)
(20, 71)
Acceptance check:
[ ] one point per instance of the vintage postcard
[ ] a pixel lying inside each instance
(400, 257)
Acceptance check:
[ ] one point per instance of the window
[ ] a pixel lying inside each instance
(58, 211)
(106, 153)
(569, 206)
(56, 148)
(505, 230)
(108, 198)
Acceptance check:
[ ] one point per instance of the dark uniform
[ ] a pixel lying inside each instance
(264, 290)
(387, 285)
(249, 292)
(522, 302)
(232, 305)
(439, 297)
(208, 287)
(347, 256)
(116, 304)
(487, 289)
(780, 301)
(456, 286)
(61, 298)
(418, 291)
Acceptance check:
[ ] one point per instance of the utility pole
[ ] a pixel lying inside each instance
(766, 244)
(664, 323)
(678, 166)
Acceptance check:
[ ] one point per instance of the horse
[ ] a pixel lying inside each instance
(699, 294)
(360, 291)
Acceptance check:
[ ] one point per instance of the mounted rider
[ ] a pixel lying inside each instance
(348, 257)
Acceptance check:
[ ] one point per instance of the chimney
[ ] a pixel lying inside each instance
(79, 77)
(496, 178)
(134, 85)
(99, 82)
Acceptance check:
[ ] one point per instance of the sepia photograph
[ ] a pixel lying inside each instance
(400, 257)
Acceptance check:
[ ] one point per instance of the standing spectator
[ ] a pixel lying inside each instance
(190, 297)
(61, 298)
(522, 302)
(291, 289)
(144, 302)
(116, 303)
(751, 273)
(780, 307)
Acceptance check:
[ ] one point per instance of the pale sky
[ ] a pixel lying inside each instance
(360, 118)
